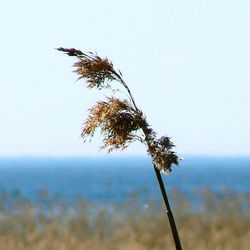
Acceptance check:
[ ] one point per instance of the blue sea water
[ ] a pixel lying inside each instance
(114, 179)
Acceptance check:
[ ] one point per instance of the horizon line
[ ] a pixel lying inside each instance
(186, 155)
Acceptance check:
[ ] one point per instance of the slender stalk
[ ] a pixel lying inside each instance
(127, 88)
(159, 178)
(169, 212)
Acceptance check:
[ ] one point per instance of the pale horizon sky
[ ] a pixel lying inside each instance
(186, 62)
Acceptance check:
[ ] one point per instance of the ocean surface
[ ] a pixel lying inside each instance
(113, 179)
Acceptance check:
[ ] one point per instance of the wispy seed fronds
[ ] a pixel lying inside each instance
(117, 120)
(98, 71)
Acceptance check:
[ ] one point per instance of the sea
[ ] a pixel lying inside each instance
(113, 179)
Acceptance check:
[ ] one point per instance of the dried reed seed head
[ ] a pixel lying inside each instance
(95, 69)
(110, 107)
(161, 152)
(117, 121)
(71, 51)
(164, 160)
(165, 142)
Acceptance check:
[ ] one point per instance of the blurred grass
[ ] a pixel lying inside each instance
(221, 223)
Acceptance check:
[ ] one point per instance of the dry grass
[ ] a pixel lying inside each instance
(223, 224)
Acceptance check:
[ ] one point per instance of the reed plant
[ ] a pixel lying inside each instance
(120, 120)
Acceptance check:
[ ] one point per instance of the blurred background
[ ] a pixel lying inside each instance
(187, 65)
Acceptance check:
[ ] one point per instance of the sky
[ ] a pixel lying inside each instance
(187, 64)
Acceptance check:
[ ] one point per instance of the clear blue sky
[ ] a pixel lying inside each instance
(187, 63)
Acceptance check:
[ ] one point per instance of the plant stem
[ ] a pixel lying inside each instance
(158, 174)
(119, 78)
(169, 212)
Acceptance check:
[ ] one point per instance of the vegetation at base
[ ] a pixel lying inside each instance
(221, 223)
